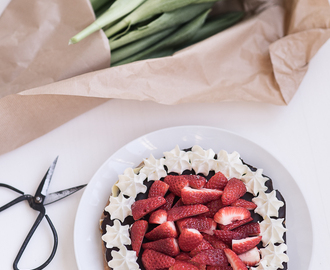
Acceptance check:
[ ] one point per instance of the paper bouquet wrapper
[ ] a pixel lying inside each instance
(44, 82)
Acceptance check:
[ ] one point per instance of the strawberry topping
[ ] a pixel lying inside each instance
(217, 181)
(250, 257)
(235, 262)
(234, 189)
(204, 245)
(176, 183)
(198, 223)
(211, 257)
(158, 188)
(229, 214)
(142, 207)
(165, 230)
(158, 217)
(183, 265)
(153, 260)
(244, 203)
(186, 211)
(189, 239)
(245, 244)
(195, 181)
(138, 231)
(168, 246)
(169, 202)
(199, 196)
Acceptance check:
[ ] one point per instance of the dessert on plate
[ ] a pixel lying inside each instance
(194, 209)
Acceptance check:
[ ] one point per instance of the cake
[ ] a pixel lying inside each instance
(194, 209)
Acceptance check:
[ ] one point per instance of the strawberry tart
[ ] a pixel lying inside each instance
(194, 209)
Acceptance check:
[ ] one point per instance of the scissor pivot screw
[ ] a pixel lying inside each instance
(38, 199)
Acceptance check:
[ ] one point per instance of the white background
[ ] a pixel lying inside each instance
(297, 135)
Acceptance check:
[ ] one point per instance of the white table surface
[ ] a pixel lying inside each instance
(297, 135)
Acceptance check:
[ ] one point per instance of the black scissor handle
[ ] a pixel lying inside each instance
(29, 236)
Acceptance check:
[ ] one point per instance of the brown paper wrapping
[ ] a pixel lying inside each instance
(44, 82)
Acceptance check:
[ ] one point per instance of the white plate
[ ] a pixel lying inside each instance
(87, 242)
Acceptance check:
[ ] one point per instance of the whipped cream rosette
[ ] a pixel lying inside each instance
(118, 225)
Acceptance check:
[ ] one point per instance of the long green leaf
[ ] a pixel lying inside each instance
(166, 20)
(139, 45)
(183, 34)
(214, 26)
(149, 9)
(117, 10)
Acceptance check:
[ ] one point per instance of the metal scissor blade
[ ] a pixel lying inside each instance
(45, 182)
(56, 196)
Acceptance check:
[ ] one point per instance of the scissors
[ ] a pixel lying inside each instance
(38, 202)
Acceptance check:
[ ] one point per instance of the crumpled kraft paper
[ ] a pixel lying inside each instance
(262, 59)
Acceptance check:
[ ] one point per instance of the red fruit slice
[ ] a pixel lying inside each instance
(169, 202)
(215, 257)
(235, 224)
(235, 262)
(198, 223)
(228, 236)
(196, 181)
(142, 207)
(153, 260)
(168, 246)
(217, 181)
(178, 203)
(165, 230)
(204, 245)
(183, 265)
(176, 183)
(138, 231)
(250, 229)
(234, 189)
(158, 217)
(215, 241)
(186, 211)
(209, 267)
(158, 188)
(245, 244)
(183, 257)
(229, 214)
(189, 239)
(199, 196)
(214, 207)
(213, 227)
(244, 203)
(250, 257)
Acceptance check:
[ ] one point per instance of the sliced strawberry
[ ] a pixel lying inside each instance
(189, 239)
(234, 189)
(200, 266)
(217, 181)
(213, 227)
(183, 265)
(178, 203)
(169, 202)
(196, 181)
(142, 207)
(235, 224)
(229, 214)
(245, 244)
(250, 257)
(183, 256)
(204, 245)
(186, 211)
(158, 217)
(199, 196)
(211, 257)
(210, 267)
(235, 262)
(215, 241)
(176, 183)
(153, 260)
(214, 207)
(158, 188)
(244, 203)
(168, 246)
(198, 223)
(165, 230)
(250, 229)
(228, 236)
(138, 231)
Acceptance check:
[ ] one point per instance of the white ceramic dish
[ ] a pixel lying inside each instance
(87, 242)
